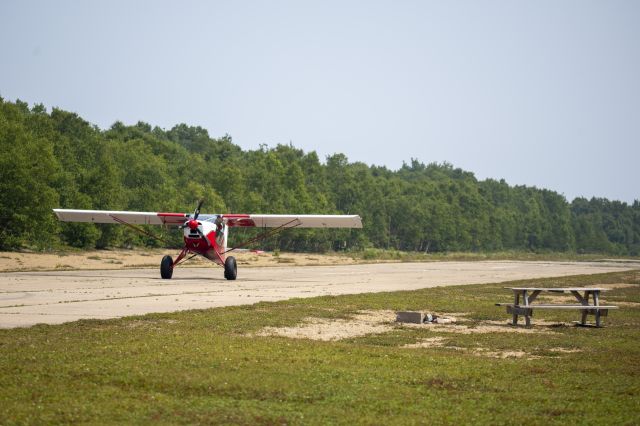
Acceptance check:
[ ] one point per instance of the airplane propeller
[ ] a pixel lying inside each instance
(196, 213)
(193, 222)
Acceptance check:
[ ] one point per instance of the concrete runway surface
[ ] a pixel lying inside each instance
(28, 298)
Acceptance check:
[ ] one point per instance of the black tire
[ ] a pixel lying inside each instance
(230, 268)
(166, 267)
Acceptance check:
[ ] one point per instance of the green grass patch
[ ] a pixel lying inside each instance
(206, 366)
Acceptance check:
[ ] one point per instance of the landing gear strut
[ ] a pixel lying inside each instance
(166, 267)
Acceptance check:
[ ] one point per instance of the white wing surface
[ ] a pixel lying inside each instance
(241, 220)
(294, 220)
(108, 216)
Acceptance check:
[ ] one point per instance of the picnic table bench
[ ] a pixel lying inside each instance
(582, 294)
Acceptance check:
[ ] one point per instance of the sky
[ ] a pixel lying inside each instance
(539, 93)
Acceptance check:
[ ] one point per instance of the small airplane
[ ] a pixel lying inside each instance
(206, 235)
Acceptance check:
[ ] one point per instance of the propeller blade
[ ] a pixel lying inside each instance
(196, 213)
(203, 236)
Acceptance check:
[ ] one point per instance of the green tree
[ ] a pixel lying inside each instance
(28, 169)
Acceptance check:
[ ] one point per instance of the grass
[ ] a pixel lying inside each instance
(372, 254)
(204, 366)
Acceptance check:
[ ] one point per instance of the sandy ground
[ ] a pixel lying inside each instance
(376, 322)
(52, 297)
(118, 259)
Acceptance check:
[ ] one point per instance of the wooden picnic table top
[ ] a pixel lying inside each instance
(558, 290)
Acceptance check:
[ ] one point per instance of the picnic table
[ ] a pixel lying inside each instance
(588, 299)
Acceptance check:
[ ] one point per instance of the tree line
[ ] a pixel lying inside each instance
(57, 159)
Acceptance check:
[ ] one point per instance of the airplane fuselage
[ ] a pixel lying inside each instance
(206, 239)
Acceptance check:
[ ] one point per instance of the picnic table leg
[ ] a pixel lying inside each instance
(585, 301)
(515, 304)
(596, 302)
(527, 317)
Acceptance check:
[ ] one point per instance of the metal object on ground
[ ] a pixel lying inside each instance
(410, 317)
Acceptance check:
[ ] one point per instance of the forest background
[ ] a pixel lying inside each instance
(58, 160)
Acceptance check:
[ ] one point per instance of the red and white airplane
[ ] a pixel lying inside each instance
(206, 234)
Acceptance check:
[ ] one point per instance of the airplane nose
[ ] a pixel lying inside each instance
(193, 224)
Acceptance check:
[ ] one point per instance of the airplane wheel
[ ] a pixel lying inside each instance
(230, 268)
(166, 267)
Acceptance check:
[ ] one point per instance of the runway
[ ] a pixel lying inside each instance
(28, 298)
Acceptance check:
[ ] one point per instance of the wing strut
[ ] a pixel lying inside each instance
(185, 260)
(267, 234)
(140, 230)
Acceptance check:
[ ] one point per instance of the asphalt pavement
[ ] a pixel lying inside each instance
(28, 298)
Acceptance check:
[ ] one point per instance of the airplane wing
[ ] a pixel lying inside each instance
(108, 216)
(295, 220)
(242, 220)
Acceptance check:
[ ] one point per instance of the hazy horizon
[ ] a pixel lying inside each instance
(542, 94)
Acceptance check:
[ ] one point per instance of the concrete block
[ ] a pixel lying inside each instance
(409, 316)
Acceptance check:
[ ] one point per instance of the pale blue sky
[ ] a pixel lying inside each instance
(543, 93)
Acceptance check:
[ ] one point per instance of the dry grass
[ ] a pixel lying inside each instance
(118, 258)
